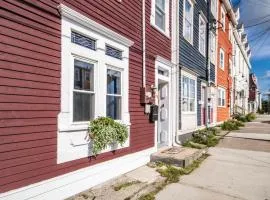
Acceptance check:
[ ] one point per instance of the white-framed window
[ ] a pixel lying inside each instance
(160, 17)
(188, 21)
(221, 97)
(90, 57)
(221, 58)
(94, 81)
(213, 47)
(223, 19)
(202, 34)
(188, 94)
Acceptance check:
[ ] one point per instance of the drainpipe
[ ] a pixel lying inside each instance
(143, 44)
(208, 63)
(177, 70)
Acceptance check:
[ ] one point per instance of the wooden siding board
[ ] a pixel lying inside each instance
(30, 93)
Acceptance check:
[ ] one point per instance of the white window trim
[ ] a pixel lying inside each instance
(223, 21)
(72, 143)
(195, 79)
(202, 18)
(184, 15)
(221, 51)
(167, 18)
(222, 90)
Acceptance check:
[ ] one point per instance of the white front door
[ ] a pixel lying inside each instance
(163, 117)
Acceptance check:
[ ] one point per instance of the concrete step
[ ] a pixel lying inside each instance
(178, 156)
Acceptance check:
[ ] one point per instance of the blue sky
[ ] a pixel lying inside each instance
(255, 14)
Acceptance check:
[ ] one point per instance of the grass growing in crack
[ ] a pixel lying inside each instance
(124, 185)
(172, 175)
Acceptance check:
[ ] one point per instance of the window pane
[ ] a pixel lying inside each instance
(185, 104)
(160, 19)
(114, 107)
(83, 76)
(160, 4)
(192, 105)
(113, 82)
(83, 40)
(185, 87)
(192, 88)
(83, 106)
(188, 29)
(113, 52)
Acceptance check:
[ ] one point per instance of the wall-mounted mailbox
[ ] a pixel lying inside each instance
(153, 113)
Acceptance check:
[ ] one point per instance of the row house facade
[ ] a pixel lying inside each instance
(254, 99)
(241, 69)
(65, 62)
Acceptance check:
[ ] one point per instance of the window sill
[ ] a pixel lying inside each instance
(221, 106)
(190, 42)
(160, 30)
(222, 68)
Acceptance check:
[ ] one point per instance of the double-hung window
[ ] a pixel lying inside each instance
(202, 35)
(188, 21)
(221, 58)
(221, 97)
(94, 81)
(188, 94)
(160, 15)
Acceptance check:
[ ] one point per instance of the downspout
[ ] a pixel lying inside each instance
(208, 64)
(143, 45)
(177, 68)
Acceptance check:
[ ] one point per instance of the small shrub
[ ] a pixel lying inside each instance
(230, 125)
(250, 117)
(239, 123)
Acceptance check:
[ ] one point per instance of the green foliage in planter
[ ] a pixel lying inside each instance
(230, 125)
(250, 117)
(105, 131)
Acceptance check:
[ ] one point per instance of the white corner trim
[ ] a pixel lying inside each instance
(64, 186)
(87, 22)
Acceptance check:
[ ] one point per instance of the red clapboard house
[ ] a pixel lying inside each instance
(51, 51)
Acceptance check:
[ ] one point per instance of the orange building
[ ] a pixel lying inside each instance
(224, 64)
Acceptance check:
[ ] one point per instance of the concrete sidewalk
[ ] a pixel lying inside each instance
(238, 168)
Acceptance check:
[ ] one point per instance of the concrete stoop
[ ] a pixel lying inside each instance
(178, 156)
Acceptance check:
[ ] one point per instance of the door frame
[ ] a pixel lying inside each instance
(166, 65)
